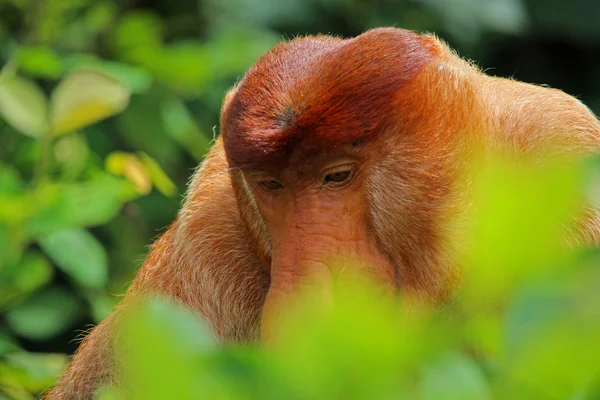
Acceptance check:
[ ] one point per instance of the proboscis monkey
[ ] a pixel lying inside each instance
(333, 149)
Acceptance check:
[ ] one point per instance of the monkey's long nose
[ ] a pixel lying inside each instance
(318, 263)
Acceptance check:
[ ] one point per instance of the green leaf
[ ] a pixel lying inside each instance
(49, 212)
(40, 61)
(12, 244)
(85, 97)
(33, 272)
(23, 105)
(79, 254)
(180, 125)
(34, 372)
(44, 315)
(10, 182)
(171, 66)
(160, 179)
(92, 203)
(7, 344)
(141, 128)
(138, 29)
(71, 153)
(164, 343)
(100, 15)
(135, 78)
(367, 342)
(129, 166)
(110, 393)
(519, 222)
(454, 377)
(98, 201)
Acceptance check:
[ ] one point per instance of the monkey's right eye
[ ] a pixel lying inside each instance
(270, 184)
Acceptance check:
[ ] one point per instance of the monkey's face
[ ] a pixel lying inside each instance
(303, 133)
(316, 215)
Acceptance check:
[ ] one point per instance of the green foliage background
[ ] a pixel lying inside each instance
(78, 204)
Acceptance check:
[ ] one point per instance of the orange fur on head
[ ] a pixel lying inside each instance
(337, 148)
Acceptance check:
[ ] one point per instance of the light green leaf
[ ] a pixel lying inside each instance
(110, 393)
(71, 153)
(23, 105)
(44, 315)
(60, 206)
(129, 166)
(137, 79)
(160, 179)
(78, 253)
(519, 223)
(85, 97)
(454, 377)
(40, 61)
(164, 343)
(98, 201)
(34, 372)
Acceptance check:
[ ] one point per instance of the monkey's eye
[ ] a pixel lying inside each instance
(270, 184)
(338, 175)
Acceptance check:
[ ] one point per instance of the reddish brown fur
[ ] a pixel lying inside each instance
(411, 108)
(329, 90)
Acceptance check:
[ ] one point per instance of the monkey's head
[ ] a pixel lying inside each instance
(337, 149)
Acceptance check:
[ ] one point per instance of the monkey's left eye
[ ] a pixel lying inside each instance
(338, 176)
(271, 184)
